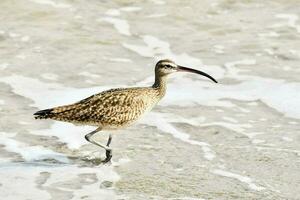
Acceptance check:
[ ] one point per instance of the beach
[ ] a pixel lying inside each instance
(238, 139)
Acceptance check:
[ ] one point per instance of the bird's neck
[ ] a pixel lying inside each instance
(160, 84)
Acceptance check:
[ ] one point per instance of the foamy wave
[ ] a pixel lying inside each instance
(120, 25)
(243, 179)
(52, 3)
(3, 66)
(30, 153)
(157, 120)
(291, 20)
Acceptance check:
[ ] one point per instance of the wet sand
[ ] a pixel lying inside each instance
(238, 139)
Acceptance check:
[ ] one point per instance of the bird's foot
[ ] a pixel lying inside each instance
(108, 152)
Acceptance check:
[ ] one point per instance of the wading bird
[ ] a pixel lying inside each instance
(116, 108)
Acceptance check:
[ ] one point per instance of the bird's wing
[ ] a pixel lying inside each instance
(112, 106)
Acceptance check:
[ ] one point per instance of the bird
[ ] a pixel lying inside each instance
(117, 108)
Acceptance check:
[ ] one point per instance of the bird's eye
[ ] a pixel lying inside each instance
(168, 66)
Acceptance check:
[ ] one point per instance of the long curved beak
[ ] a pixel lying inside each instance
(186, 69)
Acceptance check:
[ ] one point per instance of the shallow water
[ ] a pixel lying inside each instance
(238, 139)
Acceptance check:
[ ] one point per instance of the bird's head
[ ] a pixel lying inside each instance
(165, 67)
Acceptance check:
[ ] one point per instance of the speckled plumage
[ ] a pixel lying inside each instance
(110, 109)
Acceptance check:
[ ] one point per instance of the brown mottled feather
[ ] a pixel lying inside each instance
(110, 109)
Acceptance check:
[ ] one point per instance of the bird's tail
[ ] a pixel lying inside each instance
(57, 113)
(44, 114)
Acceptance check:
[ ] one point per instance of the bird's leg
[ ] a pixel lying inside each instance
(108, 150)
(109, 140)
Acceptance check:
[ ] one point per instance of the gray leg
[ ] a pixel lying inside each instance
(108, 150)
(108, 153)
